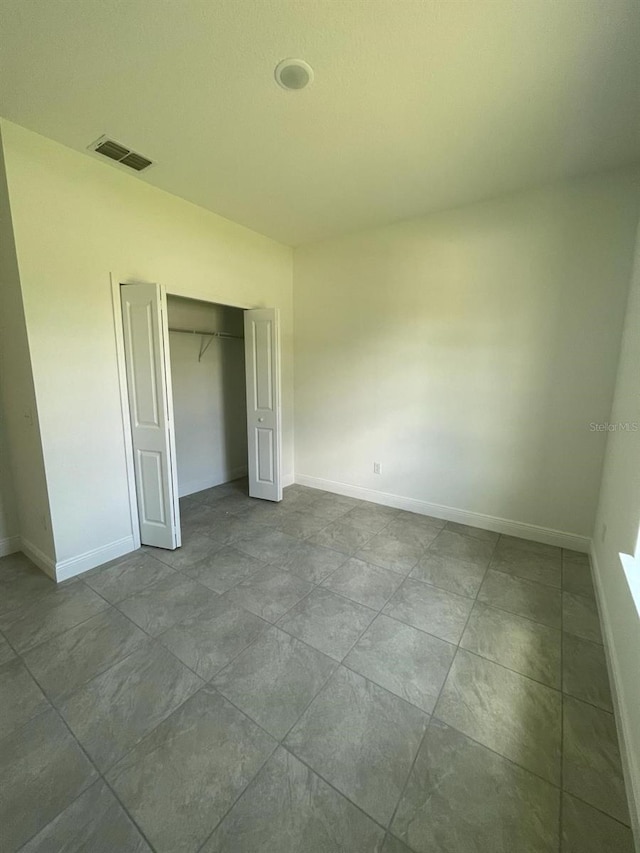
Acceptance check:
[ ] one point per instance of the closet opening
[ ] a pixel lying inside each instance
(200, 394)
(207, 362)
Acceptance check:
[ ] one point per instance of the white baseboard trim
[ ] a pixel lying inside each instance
(630, 763)
(288, 480)
(9, 545)
(65, 569)
(38, 557)
(474, 519)
(192, 486)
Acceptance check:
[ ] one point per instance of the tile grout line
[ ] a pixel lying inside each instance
(320, 584)
(261, 568)
(246, 788)
(438, 719)
(155, 638)
(337, 791)
(331, 674)
(100, 774)
(435, 704)
(280, 741)
(205, 682)
(185, 573)
(338, 664)
(375, 618)
(353, 645)
(151, 637)
(493, 606)
(312, 700)
(504, 609)
(64, 696)
(311, 769)
(403, 790)
(73, 802)
(333, 787)
(559, 786)
(175, 710)
(278, 526)
(459, 647)
(314, 584)
(58, 634)
(526, 770)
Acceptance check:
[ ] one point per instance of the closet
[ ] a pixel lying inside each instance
(200, 382)
(206, 343)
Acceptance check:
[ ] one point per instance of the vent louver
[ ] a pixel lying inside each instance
(121, 154)
(136, 161)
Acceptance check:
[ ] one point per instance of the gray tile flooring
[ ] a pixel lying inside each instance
(314, 676)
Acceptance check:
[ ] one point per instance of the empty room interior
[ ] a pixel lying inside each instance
(320, 426)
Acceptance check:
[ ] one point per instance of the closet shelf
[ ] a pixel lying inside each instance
(207, 334)
(211, 335)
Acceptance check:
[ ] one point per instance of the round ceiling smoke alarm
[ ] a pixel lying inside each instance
(293, 74)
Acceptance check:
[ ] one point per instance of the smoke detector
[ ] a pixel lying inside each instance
(120, 154)
(293, 74)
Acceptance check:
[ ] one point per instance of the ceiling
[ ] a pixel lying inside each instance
(417, 105)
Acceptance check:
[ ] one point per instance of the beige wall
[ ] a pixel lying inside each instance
(616, 531)
(468, 352)
(75, 221)
(209, 399)
(9, 527)
(24, 505)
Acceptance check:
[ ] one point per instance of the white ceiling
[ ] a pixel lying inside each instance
(417, 105)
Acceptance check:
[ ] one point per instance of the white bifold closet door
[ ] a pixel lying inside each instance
(262, 362)
(146, 345)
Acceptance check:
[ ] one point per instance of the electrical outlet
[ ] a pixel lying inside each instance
(377, 468)
(603, 535)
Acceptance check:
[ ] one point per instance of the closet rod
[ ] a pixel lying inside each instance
(209, 334)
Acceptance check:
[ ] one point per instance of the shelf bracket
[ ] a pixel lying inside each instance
(204, 346)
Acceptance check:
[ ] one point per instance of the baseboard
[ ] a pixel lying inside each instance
(192, 486)
(9, 545)
(630, 763)
(474, 519)
(38, 557)
(65, 569)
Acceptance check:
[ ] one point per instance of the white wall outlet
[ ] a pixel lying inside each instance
(377, 468)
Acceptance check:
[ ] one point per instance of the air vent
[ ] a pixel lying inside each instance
(136, 161)
(120, 153)
(112, 150)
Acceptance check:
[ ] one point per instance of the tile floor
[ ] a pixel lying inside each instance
(314, 676)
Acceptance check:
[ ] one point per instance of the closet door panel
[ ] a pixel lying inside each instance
(262, 360)
(150, 407)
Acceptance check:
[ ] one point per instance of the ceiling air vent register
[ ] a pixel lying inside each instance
(121, 154)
